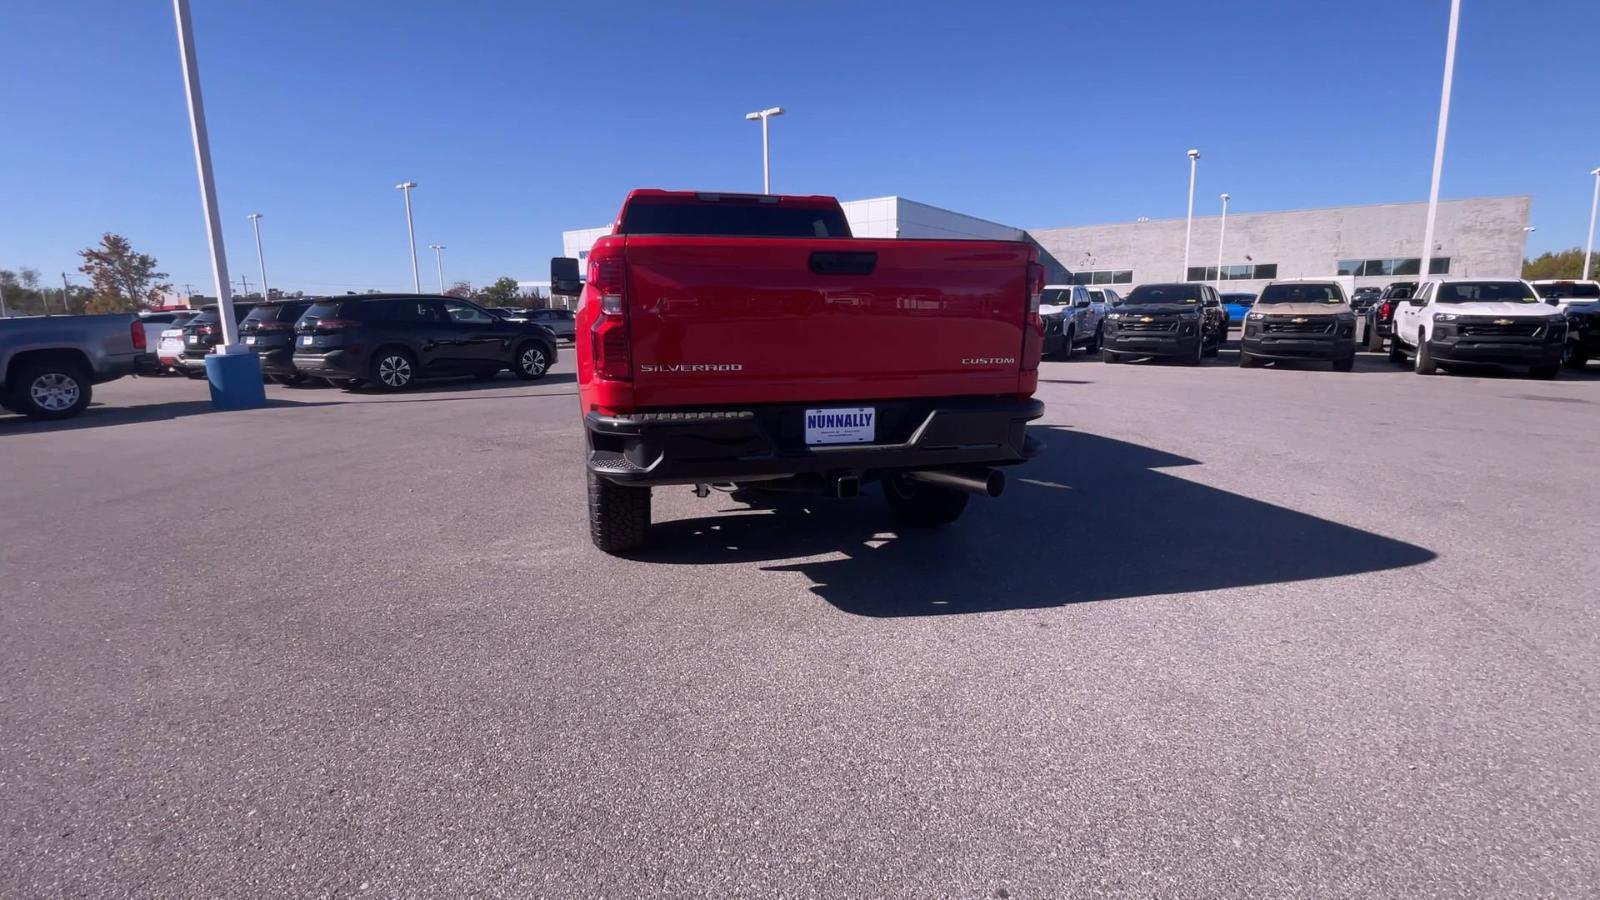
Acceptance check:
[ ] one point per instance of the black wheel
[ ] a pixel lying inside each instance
(393, 369)
(1099, 335)
(532, 361)
(1397, 353)
(918, 505)
(1199, 352)
(1545, 373)
(1248, 361)
(1348, 364)
(1216, 348)
(1423, 363)
(1066, 344)
(49, 390)
(1107, 356)
(619, 515)
(1573, 358)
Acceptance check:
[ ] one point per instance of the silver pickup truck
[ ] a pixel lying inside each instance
(49, 364)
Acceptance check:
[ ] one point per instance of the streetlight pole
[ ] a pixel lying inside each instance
(416, 280)
(1188, 227)
(255, 222)
(438, 259)
(1588, 248)
(766, 162)
(208, 184)
(1438, 146)
(1222, 236)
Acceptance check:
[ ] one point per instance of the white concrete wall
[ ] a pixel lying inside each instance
(577, 243)
(919, 220)
(1483, 237)
(874, 218)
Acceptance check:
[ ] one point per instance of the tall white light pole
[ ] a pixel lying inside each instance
(1438, 146)
(208, 185)
(1588, 248)
(766, 160)
(1188, 227)
(438, 259)
(1222, 236)
(405, 187)
(261, 260)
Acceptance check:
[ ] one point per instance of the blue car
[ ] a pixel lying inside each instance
(1238, 306)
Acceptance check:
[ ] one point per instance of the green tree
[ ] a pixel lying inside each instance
(502, 293)
(461, 290)
(1566, 264)
(124, 279)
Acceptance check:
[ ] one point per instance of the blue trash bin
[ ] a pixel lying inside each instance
(235, 380)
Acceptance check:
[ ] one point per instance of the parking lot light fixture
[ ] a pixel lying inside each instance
(1188, 225)
(208, 184)
(766, 159)
(1222, 235)
(1594, 204)
(405, 187)
(261, 260)
(438, 259)
(1426, 262)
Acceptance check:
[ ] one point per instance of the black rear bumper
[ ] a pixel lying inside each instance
(761, 443)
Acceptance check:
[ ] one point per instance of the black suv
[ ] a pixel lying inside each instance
(389, 340)
(269, 331)
(1184, 320)
(204, 332)
(560, 321)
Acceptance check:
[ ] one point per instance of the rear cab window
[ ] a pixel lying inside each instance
(727, 216)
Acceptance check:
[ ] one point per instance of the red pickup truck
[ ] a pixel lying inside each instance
(750, 340)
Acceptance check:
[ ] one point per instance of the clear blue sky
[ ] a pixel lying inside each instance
(521, 119)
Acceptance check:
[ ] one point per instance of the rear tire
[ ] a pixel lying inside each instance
(918, 505)
(1108, 356)
(1067, 338)
(1574, 359)
(1348, 364)
(49, 390)
(1248, 361)
(393, 369)
(1397, 353)
(1199, 352)
(1094, 342)
(619, 515)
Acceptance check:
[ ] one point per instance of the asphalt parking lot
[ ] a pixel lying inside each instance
(1237, 633)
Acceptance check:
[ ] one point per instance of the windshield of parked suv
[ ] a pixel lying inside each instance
(1569, 290)
(1056, 296)
(1487, 292)
(733, 218)
(1163, 293)
(1297, 292)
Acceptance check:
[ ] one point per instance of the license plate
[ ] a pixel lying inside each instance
(850, 425)
(192, 339)
(250, 341)
(305, 340)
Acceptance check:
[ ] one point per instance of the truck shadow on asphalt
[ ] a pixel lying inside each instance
(98, 416)
(1091, 519)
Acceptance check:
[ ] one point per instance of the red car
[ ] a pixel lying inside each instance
(735, 339)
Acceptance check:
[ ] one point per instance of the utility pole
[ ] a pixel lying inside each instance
(1438, 146)
(65, 309)
(245, 280)
(1188, 227)
(3, 313)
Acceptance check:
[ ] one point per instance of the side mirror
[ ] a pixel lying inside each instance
(564, 279)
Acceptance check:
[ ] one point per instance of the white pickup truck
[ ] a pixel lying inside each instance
(1580, 300)
(1467, 320)
(1075, 313)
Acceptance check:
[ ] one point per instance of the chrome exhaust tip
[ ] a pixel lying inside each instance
(984, 482)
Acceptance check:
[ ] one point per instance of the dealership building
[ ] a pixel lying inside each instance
(1479, 237)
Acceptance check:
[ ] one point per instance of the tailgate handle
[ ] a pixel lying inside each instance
(831, 262)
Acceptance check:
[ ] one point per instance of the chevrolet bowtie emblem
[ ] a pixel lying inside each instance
(1146, 319)
(1298, 321)
(1502, 321)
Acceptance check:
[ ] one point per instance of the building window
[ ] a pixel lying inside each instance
(1386, 268)
(1104, 276)
(1253, 272)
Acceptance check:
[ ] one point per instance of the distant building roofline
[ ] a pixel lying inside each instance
(1281, 212)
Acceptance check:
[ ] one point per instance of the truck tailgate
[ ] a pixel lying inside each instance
(721, 320)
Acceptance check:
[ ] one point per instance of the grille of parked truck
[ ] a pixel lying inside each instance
(732, 339)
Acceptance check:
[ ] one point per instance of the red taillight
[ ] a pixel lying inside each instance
(608, 278)
(205, 329)
(334, 324)
(270, 326)
(137, 333)
(1385, 310)
(1035, 285)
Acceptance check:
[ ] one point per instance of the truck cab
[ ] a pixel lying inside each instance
(1495, 321)
(1075, 313)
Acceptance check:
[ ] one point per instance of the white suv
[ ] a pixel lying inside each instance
(1479, 320)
